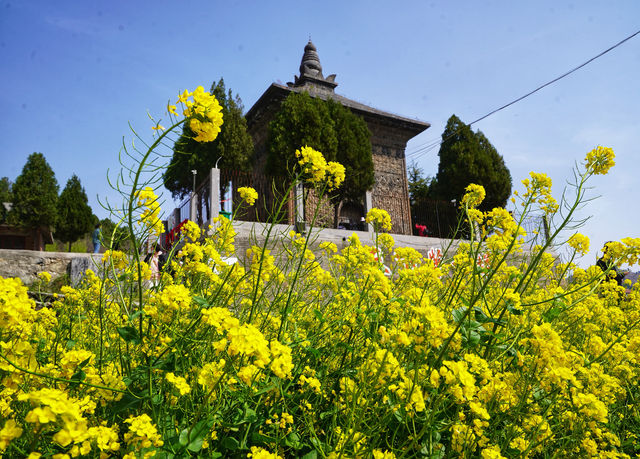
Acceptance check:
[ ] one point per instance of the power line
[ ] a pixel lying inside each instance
(428, 146)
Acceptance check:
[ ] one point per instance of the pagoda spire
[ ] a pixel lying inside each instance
(310, 65)
(311, 77)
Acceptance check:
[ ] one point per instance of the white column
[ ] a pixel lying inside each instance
(299, 210)
(193, 208)
(368, 205)
(214, 194)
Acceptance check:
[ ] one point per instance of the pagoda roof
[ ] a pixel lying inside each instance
(312, 80)
(278, 92)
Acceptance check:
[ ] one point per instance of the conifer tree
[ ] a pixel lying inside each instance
(75, 217)
(301, 121)
(5, 196)
(233, 147)
(467, 157)
(354, 153)
(329, 127)
(35, 194)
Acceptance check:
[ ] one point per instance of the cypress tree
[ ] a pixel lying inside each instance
(75, 217)
(5, 196)
(467, 157)
(301, 121)
(233, 146)
(35, 194)
(329, 127)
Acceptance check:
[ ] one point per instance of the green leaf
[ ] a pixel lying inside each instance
(70, 344)
(184, 437)
(79, 376)
(164, 455)
(249, 415)
(514, 311)
(311, 455)
(196, 445)
(471, 337)
(458, 314)
(129, 402)
(129, 334)
(201, 301)
(293, 440)
(230, 443)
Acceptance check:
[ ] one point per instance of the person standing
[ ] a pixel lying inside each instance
(155, 264)
(608, 267)
(96, 236)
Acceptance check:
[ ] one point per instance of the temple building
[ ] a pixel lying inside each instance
(389, 136)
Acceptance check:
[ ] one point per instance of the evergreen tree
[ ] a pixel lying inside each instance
(418, 185)
(75, 217)
(301, 121)
(5, 196)
(35, 194)
(330, 128)
(112, 237)
(354, 153)
(233, 147)
(467, 157)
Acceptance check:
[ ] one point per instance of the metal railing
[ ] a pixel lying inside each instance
(434, 218)
(271, 191)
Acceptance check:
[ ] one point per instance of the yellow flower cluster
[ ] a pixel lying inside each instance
(316, 170)
(116, 258)
(203, 113)
(142, 433)
(150, 216)
(538, 188)
(8, 433)
(599, 160)
(248, 194)
(579, 243)
(246, 341)
(380, 219)
(179, 383)
(261, 453)
(474, 195)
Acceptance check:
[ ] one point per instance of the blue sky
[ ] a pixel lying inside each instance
(75, 74)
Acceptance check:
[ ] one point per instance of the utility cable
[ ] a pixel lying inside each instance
(428, 146)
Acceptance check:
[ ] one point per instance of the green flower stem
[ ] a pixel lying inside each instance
(63, 380)
(299, 267)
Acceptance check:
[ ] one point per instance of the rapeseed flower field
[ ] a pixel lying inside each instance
(494, 349)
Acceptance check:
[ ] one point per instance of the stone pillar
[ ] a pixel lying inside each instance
(193, 208)
(214, 194)
(299, 208)
(367, 207)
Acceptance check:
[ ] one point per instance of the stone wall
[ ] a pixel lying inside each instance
(391, 189)
(27, 264)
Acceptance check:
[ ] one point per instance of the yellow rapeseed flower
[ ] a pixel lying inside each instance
(579, 243)
(248, 194)
(312, 164)
(379, 218)
(203, 113)
(335, 175)
(474, 195)
(600, 160)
